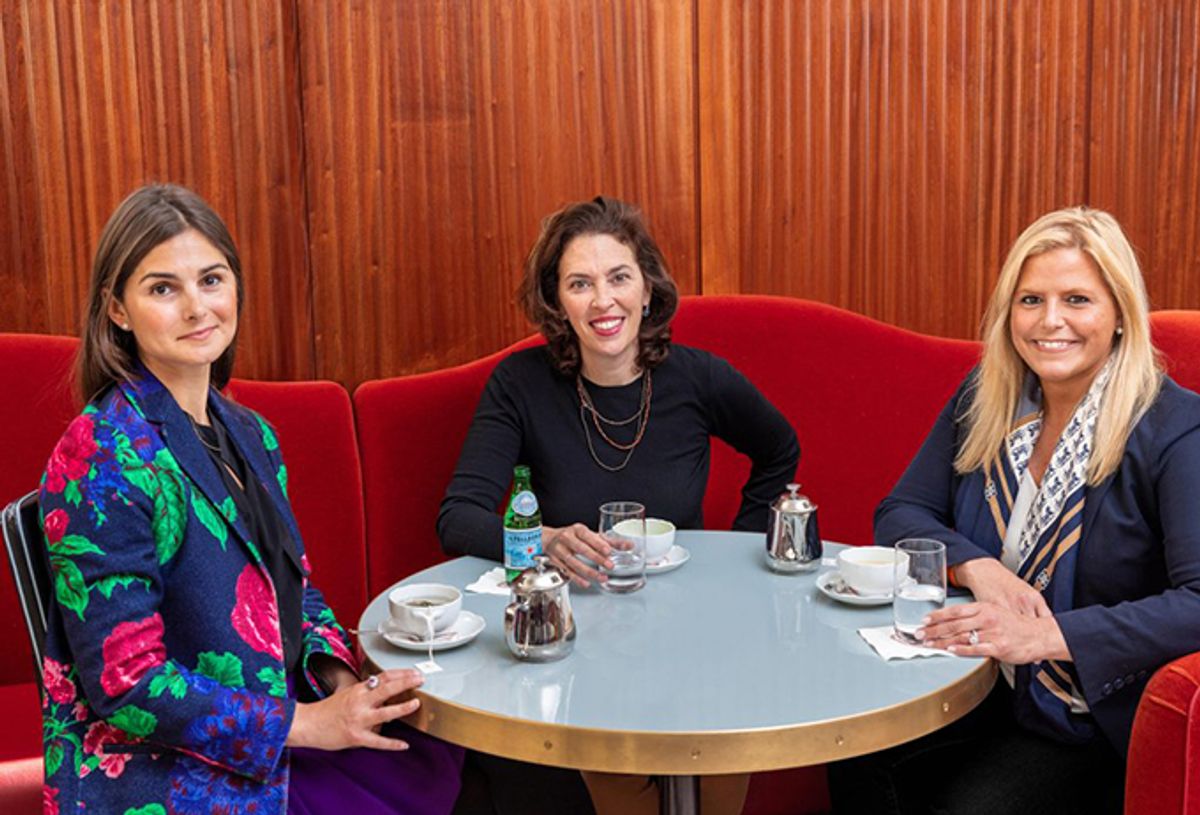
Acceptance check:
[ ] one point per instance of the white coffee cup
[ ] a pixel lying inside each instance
(659, 537)
(869, 569)
(417, 607)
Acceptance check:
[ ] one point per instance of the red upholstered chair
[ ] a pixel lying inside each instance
(1177, 336)
(315, 424)
(1163, 770)
(410, 432)
(35, 374)
(861, 395)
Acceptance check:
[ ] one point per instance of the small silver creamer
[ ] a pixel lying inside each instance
(793, 540)
(538, 625)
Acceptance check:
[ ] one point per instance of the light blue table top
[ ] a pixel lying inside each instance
(719, 666)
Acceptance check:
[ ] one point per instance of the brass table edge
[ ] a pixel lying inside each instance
(703, 753)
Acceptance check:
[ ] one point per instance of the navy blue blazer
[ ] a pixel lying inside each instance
(164, 673)
(1137, 583)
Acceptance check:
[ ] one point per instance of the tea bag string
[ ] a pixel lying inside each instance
(427, 615)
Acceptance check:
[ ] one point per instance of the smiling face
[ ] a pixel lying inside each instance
(602, 292)
(1063, 321)
(180, 304)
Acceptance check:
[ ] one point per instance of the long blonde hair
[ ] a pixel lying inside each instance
(1136, 376)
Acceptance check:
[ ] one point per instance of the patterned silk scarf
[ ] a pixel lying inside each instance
(1048, 543)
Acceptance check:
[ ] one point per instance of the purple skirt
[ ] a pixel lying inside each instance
(422, 780)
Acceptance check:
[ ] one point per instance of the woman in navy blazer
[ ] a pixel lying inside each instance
(1064, 478)
(191, 667)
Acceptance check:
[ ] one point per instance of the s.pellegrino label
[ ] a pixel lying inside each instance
(522, 525)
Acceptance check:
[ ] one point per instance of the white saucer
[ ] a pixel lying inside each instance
(675, 557)
(832, 586)
(466, 628)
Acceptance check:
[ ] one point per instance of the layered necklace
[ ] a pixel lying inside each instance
(200, 436)
(599, 420)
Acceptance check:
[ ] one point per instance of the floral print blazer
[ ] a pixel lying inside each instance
(164, 675)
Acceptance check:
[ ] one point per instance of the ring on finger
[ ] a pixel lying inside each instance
(973, 637)
(372, 682)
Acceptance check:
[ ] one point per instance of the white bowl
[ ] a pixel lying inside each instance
(412, 607)
(658, 539)
(869, 569)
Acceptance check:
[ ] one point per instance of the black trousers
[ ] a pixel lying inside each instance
(499, 786)
(983, 764)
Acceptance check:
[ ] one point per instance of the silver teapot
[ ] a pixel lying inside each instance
(538, 625)
(793, 541)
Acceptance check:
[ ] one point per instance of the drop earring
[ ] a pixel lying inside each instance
(1120, 331)
(646, 310)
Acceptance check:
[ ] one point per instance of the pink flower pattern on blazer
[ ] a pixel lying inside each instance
(58, 686)
(70, 459)
(256, 615)
(129, 651)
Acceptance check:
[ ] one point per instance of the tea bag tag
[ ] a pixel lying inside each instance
(428, 667)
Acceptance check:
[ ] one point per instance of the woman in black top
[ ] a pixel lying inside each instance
(609, 410)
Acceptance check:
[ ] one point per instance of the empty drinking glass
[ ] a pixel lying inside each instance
(624, 523)
(919, 587)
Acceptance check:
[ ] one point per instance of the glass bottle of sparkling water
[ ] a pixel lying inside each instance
(522, 526)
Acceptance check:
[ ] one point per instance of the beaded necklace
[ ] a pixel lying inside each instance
(642, 416)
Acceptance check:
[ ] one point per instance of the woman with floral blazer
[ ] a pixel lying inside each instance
(179, 609)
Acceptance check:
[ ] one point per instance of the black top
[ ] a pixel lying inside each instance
(530, 414)
(267, 530)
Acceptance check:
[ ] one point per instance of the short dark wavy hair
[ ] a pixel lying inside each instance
(538, 293)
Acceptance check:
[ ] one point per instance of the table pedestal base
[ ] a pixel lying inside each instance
(679, 795)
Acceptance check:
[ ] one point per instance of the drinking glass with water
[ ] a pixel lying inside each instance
(623, 524)
(919, 587)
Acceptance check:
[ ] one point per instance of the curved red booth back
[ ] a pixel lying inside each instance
(1163, 768)
(860, 394)
(410, 431)
(315, 424)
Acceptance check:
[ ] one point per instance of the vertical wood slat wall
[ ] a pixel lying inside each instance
(99, 97)
(384, 165)
(437, 143)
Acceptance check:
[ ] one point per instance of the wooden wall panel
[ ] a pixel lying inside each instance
(384, 165)
(100, 97)
(881, 156)
(439, 133)
(1145, 143)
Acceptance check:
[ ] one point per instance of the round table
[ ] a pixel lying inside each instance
(720, 666)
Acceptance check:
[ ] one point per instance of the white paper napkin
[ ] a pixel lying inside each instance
(881, 640)
(490, 582)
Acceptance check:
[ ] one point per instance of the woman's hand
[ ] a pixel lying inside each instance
(999, 632)
(991, 582)
(565, 544)
(351, 716)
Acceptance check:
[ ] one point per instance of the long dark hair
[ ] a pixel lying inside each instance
(538, 294)
(146, 218)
